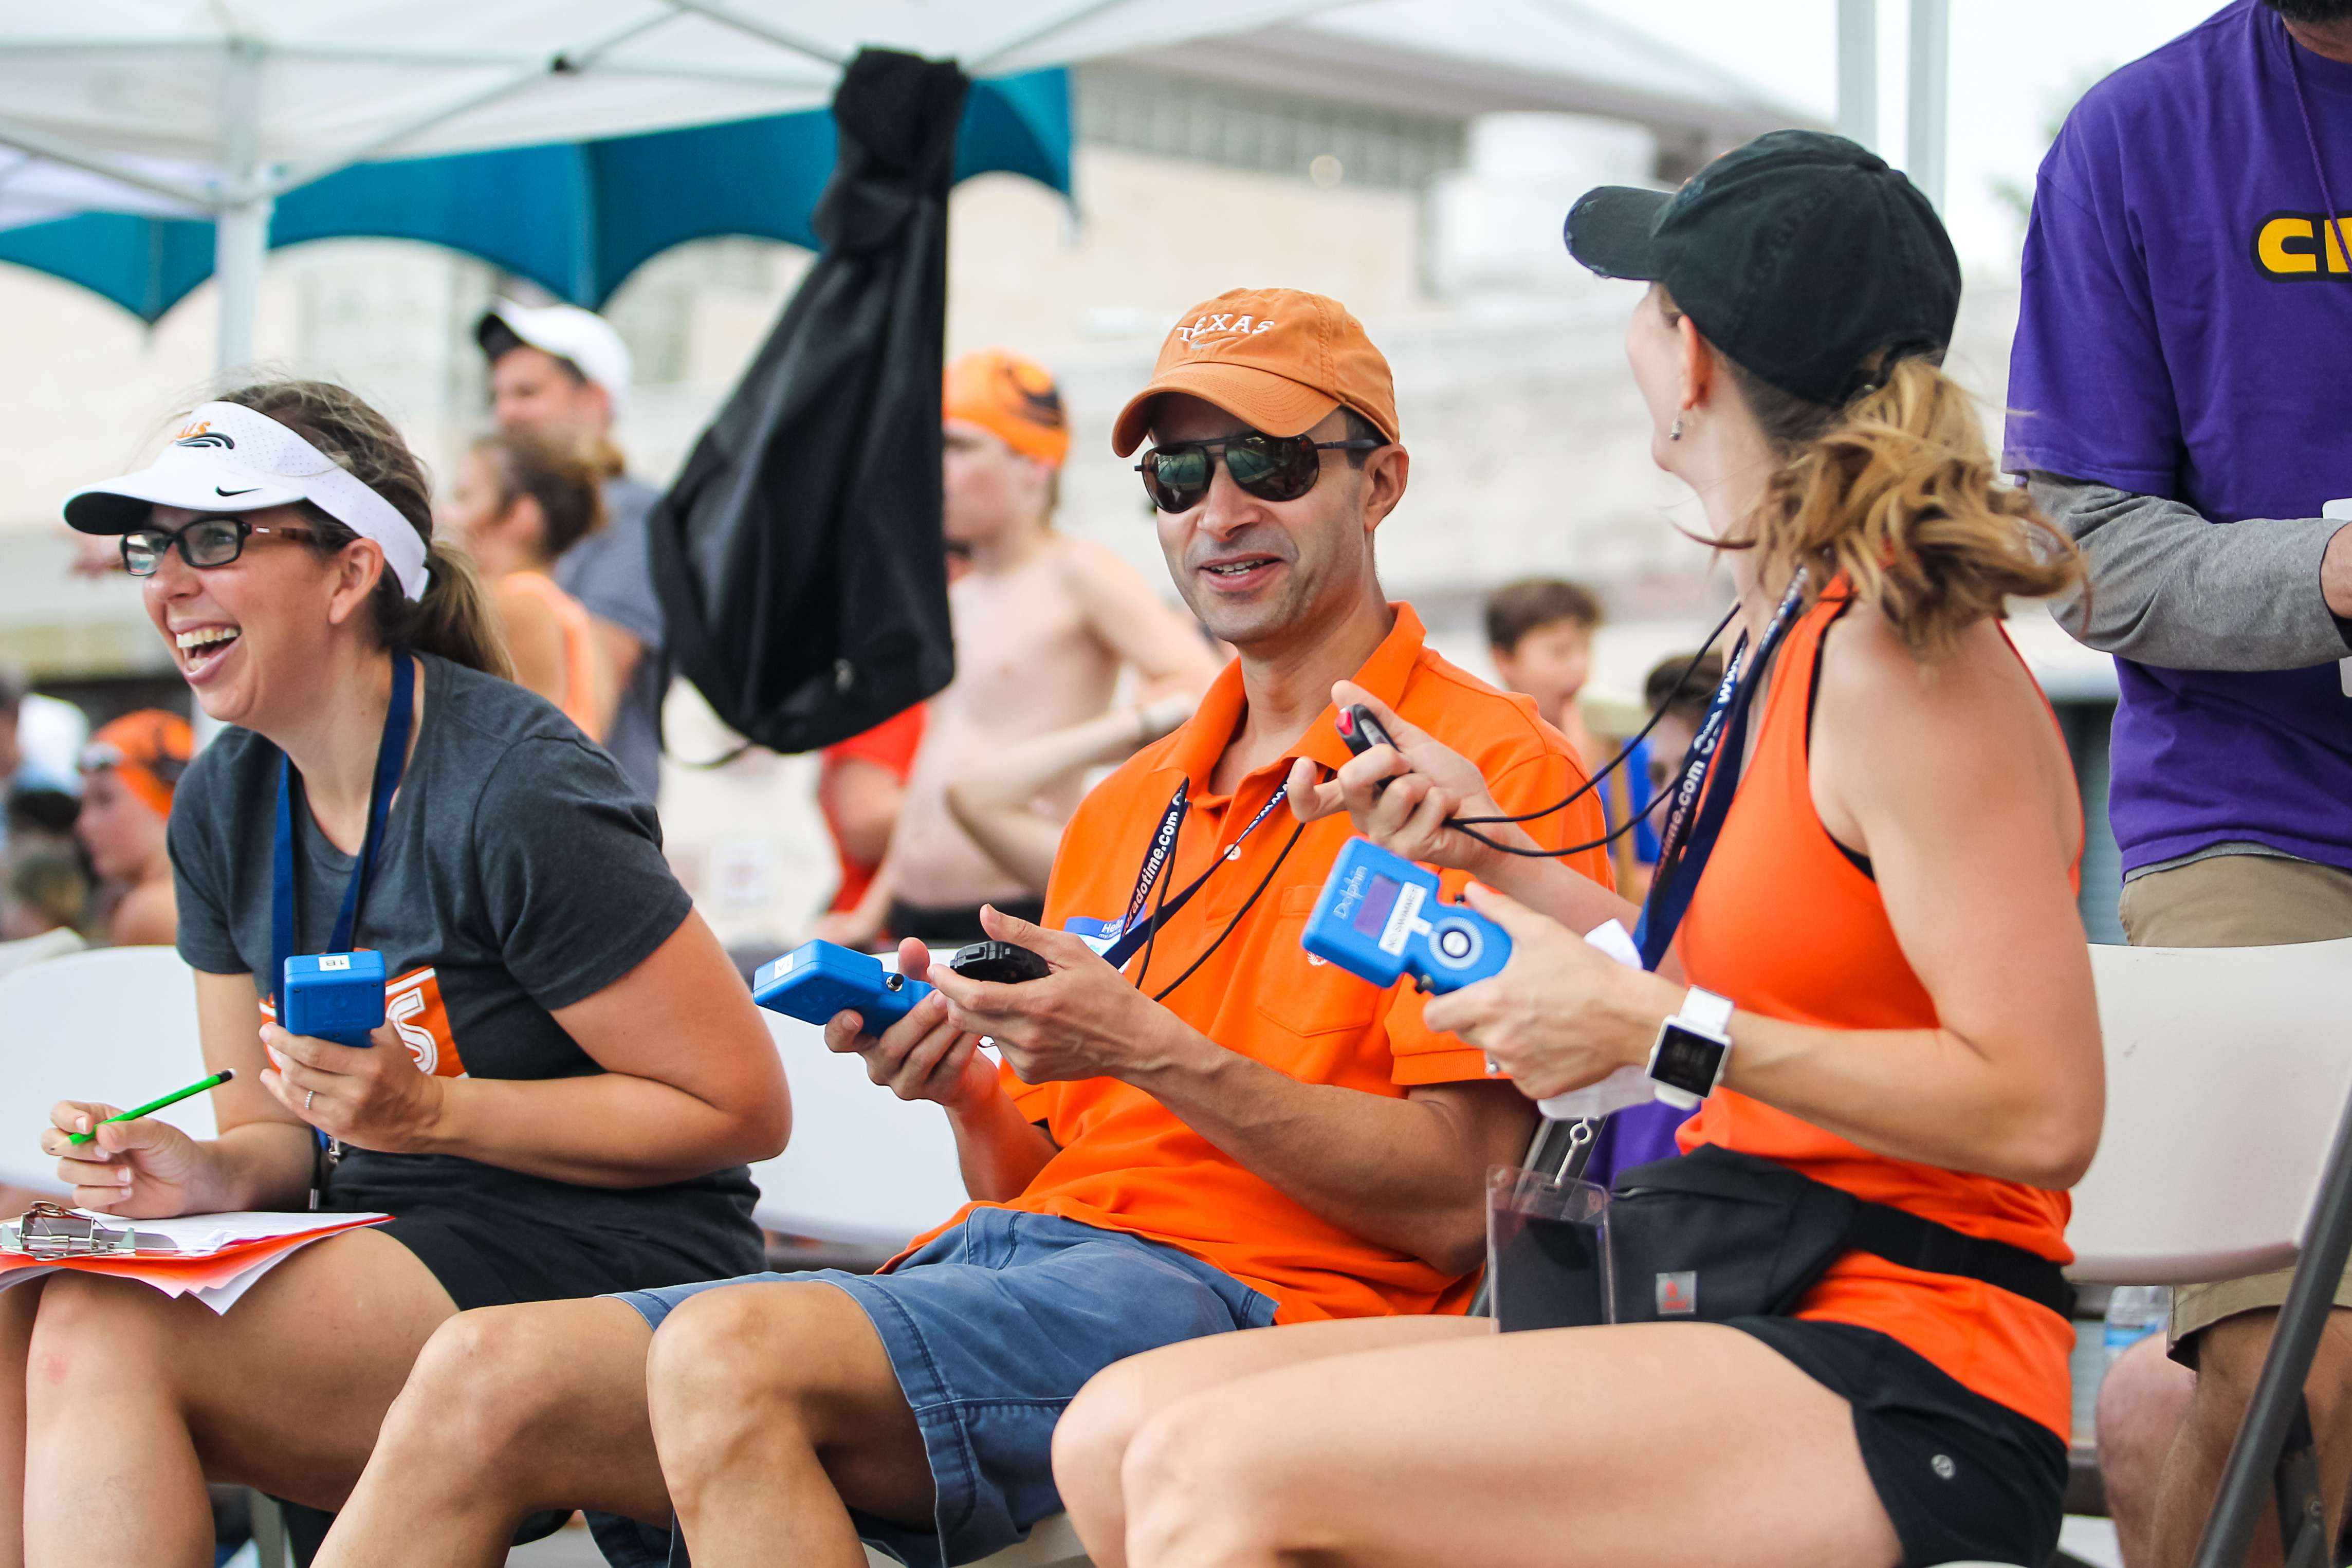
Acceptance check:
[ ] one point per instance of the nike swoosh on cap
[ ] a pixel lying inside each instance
(248, 490)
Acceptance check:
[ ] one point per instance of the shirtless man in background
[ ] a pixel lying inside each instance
(1043, 624)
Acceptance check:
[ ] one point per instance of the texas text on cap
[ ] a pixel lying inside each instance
(568, 332)
(1012, 398)
(226, 458)
(1278, 360)
(1802, 256)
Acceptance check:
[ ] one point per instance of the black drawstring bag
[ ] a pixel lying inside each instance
(798, 556)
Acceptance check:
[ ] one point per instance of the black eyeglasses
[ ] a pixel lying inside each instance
(1271, 467)
(207, 541)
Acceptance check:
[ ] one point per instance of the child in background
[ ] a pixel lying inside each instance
(128, 772)
(1539, 633)
(1651, 764)
(42, 907)
(523, 499)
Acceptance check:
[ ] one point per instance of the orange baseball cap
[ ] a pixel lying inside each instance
(1278, 359)
(148, 750)
(1012, 398)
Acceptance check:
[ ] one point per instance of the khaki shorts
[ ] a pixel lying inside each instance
(2237, 900)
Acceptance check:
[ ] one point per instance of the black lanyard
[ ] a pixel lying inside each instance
(391, 757)
(1137, 929)
(1710, 777)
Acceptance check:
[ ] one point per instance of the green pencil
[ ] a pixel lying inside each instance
(173, 1098)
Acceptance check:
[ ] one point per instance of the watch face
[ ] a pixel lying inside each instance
(1686, 1059)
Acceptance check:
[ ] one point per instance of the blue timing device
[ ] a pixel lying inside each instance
(1379, 917)
(333, 996)
(818, 979)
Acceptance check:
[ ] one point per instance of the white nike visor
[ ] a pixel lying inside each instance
(227, 459)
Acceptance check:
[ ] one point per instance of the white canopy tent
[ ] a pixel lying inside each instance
(216, 107)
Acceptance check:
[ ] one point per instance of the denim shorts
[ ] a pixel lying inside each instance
(992, 1328)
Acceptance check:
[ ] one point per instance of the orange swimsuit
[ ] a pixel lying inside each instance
(1789, 926)
(579, 704)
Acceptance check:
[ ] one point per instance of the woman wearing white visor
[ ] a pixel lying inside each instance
(571, 1078)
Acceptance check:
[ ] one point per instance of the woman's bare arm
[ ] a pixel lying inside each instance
(692, 1082)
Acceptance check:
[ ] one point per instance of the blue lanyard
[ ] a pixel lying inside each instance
(1710, 777)
(391, 757)
(1136, 930)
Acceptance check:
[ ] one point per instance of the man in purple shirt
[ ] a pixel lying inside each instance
(2178, 407)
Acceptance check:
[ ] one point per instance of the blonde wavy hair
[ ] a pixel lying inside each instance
(1896, 492)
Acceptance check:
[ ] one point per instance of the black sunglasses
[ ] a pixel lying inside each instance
(205, 542)
(1271, 467)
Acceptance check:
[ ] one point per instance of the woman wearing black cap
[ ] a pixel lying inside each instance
(1839, 1330)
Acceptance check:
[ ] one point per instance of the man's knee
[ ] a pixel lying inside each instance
(730, 1359)
(2230, 1358)
(488, 1385)
(2143, 1400)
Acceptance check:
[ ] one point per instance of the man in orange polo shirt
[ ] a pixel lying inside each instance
(1196, 1126)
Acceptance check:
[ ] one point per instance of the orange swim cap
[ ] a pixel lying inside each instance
(1012, 398)
(149, 751)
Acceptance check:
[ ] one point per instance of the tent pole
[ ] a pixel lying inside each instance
(1857, 71)
(241, 221)
(1931, 81)
(240, 240)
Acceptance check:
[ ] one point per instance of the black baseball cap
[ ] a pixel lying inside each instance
(1799, 255)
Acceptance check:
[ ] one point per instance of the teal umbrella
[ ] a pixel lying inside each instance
(574, 217)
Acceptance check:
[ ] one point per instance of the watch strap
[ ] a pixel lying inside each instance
(1705, 1012)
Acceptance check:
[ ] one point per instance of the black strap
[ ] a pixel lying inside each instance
(1709, 780)
(1136, 930)
(1901, 1237)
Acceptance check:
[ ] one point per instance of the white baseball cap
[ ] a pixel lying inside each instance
(568, 332)
(229, 459)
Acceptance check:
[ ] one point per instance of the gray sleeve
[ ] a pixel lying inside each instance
(611, 572)
(2170, 589)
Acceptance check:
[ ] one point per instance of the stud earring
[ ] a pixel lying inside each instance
(1677, 432)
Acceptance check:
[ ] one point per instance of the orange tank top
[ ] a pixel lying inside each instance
(579, 704)
(1776, 871)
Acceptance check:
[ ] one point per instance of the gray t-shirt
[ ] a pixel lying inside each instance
(519, 873)
(611, 573)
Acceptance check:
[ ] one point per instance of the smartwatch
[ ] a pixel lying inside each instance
(1692, 1049)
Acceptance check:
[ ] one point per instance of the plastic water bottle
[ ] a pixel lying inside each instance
(2133, 1312)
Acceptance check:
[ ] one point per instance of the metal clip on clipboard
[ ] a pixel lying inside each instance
(51, 1230)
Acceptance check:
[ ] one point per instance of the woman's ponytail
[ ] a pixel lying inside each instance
(1897, 493)
(453, 620)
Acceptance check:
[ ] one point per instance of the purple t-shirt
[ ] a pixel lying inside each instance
(2184, 333)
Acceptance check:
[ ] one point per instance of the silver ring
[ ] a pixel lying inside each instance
(307, 1098)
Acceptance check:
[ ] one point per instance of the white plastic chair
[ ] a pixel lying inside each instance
(2228, 1069)
(117, 1025)
(2227, 1073)
(863, 1166)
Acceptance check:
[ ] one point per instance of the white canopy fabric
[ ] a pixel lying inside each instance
(217, 107)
